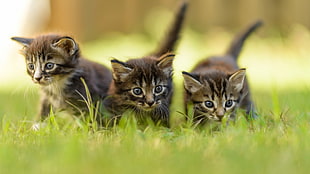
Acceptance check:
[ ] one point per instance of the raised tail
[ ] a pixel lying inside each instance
(236, 45)
(173, 34)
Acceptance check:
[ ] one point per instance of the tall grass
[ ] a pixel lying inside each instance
(274, 143)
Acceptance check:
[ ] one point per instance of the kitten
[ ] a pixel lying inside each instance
(54, 62)
(144, 85)
(217, 87)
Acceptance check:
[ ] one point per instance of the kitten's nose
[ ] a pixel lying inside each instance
(150, 103)
(220, 113)
(37, 75)
(38, 78)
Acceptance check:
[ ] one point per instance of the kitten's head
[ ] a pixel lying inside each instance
(145, 83)
(215, 94)
(49, 58)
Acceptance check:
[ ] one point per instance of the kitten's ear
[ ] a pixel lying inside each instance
(24, 41)
(66, 44)
(165, 63)
(191, 84)
(120, 70)
(237, 79)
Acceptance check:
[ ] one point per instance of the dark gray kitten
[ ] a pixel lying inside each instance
(54, 62)
(144, 85)
(217, 87)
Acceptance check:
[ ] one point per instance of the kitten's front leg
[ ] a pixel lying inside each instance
(165, 121)
(43, 114)
(161, 117)
(112, 110)
(249, 107)
(44, 109)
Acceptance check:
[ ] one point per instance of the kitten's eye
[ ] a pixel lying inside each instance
(49, 65)
(137, 91)
(209, 104)
(158, 89)
(229, 103)
(31, 66)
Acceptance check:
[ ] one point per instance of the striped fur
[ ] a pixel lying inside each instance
(151, 76)
(215, 94)
(217, 87)
(148, 74)
(54, 62)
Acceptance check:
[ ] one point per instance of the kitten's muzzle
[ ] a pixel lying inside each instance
(150, 103)
(220, 113)
(37, 79)
(37, 76)
(40, 80)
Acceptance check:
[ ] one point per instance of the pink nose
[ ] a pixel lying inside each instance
(220, 113)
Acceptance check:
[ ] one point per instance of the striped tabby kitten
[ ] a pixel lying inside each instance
(144, 85)
(54, 62)
(217, 87)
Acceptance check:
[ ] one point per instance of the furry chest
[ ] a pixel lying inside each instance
(58, 101)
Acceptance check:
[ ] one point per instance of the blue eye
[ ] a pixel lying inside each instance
(229, 103)
(49, 65)
(209, 104)
(31, 66)
(137, 91)
(158, 89)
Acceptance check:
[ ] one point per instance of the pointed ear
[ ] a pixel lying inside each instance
(165, 63)
(24, 41)
(191, 84)
(237, 79)
(120, 70)
(66, 44)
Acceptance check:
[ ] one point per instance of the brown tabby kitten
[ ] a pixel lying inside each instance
(144, 85)
(217, 87)
(54, 62)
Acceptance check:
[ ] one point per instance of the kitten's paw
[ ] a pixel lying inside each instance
(38, 126)
(255, 116)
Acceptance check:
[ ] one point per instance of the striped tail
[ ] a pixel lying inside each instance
(236, 45)
(171, 38)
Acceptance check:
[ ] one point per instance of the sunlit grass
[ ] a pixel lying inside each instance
(269, 145)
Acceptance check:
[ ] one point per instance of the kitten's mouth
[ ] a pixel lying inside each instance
(215, 118)
(147, 107)
(41, 82)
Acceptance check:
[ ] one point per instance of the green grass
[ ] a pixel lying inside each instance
(277, 142)
(272, 144)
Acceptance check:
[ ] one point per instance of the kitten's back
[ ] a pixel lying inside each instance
(228, 61)
(97, 77)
